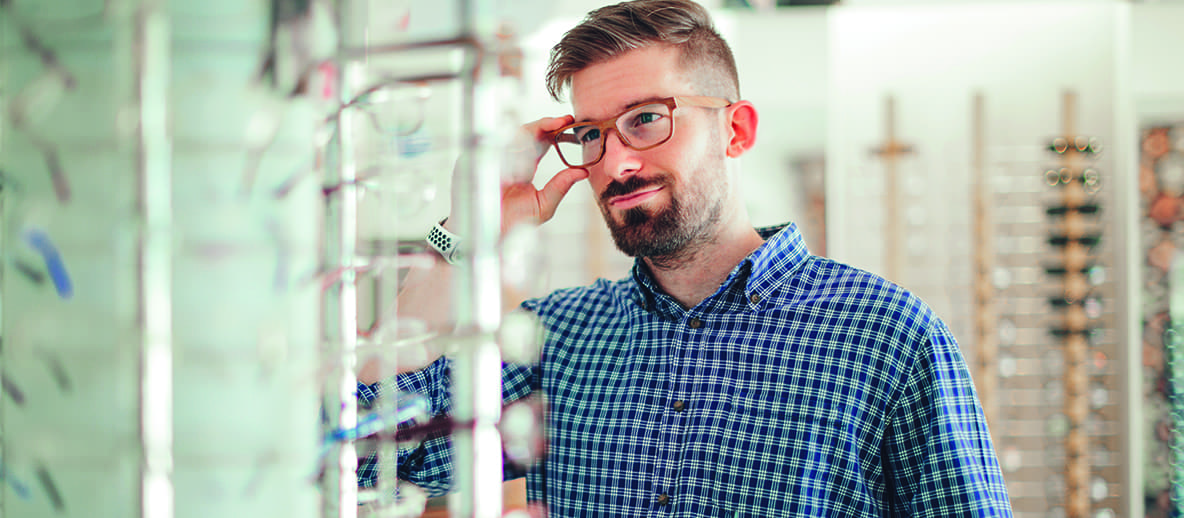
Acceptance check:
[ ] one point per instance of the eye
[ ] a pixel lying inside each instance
(644, 118)
(587, 134)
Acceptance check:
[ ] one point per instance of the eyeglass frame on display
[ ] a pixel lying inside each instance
(673, 103)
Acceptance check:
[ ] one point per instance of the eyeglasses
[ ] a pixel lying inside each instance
(641, 127)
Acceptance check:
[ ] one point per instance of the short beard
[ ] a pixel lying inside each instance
(664, 237)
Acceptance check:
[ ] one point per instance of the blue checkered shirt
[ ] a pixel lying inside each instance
(802, 387)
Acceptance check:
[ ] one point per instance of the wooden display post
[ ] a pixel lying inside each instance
(986, 321)
(890, 152)
(1075, 239)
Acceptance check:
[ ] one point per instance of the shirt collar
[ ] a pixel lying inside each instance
(761, 272)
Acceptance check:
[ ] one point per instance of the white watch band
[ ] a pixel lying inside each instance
(445, 242)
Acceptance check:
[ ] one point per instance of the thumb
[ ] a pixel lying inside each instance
(552, 193)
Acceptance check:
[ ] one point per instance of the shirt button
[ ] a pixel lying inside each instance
(678, 406)
(641, 304)
(695, 323)
(663, 499)
(754, 298)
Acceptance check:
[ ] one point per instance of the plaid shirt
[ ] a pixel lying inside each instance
(802, 387)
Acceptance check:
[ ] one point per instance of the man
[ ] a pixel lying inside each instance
(732, 373)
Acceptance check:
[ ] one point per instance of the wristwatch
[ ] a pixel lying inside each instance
(445, 242)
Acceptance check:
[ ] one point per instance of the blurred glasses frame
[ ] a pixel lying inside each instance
(672, 103)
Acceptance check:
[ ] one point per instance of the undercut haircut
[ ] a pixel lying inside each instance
(611, 31)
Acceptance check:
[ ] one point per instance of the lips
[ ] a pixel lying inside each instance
(635, 198)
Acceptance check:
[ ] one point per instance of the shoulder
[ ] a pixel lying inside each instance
(862, 291)
(868, 306)
(580, 302)
(587, 319)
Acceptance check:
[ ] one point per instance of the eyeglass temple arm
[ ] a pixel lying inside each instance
(561, 137)
(704, 101)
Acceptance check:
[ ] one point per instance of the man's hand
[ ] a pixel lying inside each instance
(426, 293)
(521, 202)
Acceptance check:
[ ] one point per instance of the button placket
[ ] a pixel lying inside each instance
(671, 431)
(674, 420)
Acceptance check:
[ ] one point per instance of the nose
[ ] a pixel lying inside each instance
(619, 160)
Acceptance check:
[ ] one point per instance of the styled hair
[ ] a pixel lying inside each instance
(611, 31)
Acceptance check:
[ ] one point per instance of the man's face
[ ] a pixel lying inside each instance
(658, 201)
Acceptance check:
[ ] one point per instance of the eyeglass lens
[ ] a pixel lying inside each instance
(642, 127)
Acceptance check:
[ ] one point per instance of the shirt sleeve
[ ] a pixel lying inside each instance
(940, 461)
(429, 464)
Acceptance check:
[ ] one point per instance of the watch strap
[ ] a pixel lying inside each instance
(445, 242)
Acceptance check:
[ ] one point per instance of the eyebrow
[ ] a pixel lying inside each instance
(629, 105)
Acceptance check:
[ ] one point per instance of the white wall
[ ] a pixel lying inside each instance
(782, 57)
(1156, 54)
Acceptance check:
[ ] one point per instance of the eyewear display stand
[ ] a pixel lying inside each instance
(1075, 236)
(159, 302)
(182, 189)
(1045, 321)
(421, 98)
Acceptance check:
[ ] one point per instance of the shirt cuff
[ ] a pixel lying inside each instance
(367, 394)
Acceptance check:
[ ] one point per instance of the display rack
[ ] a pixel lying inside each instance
(1058, 420)
(436, 95)
(160, 346)
(1076, 235)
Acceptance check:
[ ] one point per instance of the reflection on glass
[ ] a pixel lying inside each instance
(1100, 362)
(396, 109)
(917, 245)
(1093, 307)
(410, 190)
(1057, 425)
(1095, 426)
(1007, 366)
(1001, 277)
(1098, 489)
(520, 337)
(1007, 331)
(1052, 177)
(1099, 396)
(1094, 337)
(1055, 486)
(1011, 459)
(1096, 275)
(1054, 362)
(1101, 455)
(1054, 392)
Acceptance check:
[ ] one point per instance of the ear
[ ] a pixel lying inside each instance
(742, 120)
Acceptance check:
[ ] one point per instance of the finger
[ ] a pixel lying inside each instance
(528, 146)
(552, 193)
(547, 124)
(537, 510)
(541, 130)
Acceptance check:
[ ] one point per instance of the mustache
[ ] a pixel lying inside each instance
(631, 184)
